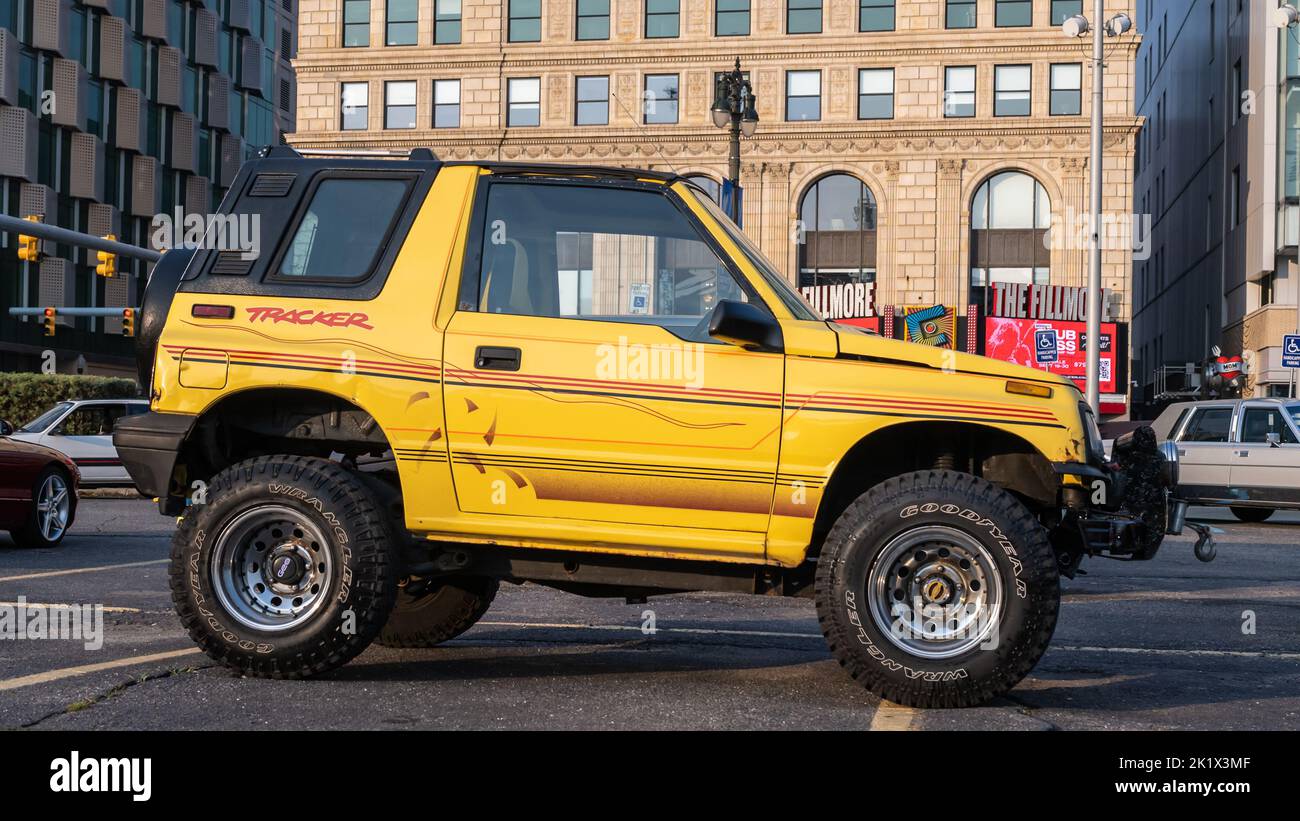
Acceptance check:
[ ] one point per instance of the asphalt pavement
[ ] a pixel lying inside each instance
(1168, 644)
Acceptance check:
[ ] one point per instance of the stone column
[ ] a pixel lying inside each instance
(888, 273)
(950, 278)
(1069, 260)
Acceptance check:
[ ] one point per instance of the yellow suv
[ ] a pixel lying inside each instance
(434, 377)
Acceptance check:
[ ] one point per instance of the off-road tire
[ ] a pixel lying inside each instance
(1252, 515)
(1018, 546)
(360, 593)
(448, 609)
(30, 535)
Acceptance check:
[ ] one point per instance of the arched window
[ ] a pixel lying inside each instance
(838, 221)
(710, 186)
(1010, 216)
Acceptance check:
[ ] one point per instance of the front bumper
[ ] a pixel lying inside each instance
(148, 445)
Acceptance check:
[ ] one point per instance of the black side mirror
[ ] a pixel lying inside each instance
(6, 427)
(746, 325)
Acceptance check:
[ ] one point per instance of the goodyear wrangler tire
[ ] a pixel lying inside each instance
(438, 614)
(287, 570)
(937, 589)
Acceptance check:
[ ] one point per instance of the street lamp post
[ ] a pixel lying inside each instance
(733, 109)
(1077, 26)
(1286, 17)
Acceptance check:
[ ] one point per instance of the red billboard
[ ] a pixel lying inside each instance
(1012, 340)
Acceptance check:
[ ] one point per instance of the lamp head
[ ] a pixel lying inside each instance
(1076, 26)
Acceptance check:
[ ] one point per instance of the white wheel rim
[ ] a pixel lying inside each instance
(53, 505)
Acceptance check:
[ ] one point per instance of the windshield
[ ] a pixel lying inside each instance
(40, 423)
(790, 298)
(1294, 410)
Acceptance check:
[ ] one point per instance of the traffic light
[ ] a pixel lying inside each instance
(51, 315)
(28, 246)
(107, 266)
(128, 322)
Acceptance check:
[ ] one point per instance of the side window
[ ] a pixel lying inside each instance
(598, 253)
(1209, 425)
(343, 230)
(88, 420)
(1258, 423)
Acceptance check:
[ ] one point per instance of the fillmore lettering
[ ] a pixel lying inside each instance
(1014, 300)
(846, 300)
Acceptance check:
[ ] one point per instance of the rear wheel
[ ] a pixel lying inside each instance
(937, 589)
(1252, 514)
(288, 570)
(54, 504)
(427, 614)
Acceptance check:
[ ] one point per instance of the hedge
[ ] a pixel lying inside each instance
(25, 396)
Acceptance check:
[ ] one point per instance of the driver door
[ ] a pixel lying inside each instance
(580, 383)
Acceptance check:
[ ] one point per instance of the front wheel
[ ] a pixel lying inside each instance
(288, 570)
(1252, 515)
(54, 505)
(937, 589)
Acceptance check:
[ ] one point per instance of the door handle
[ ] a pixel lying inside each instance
(497, 359)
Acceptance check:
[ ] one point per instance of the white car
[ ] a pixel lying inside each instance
(1243, 453)
(83, 430)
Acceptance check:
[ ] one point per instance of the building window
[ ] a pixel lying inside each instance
(399, 104)
(1267, 291)
(875, 15)
(1011, 97)
(356, 23)
(803, 16)
(660, 101)
(1013, 13)
(961, 14)
(875, 94)
(344, 229)
(401, 23)
(446, 22)
(663, 18)
(803, 95)
(525, 24)
(1234, 216)
(446, 103)
(731, 18)
(524, 102)
(1067, 89)
(593, 20)
(592, 101)
(355, 106)
(1010, 216)
(1236, 92)
(959, 91)
(838, 245)
(1063, 10)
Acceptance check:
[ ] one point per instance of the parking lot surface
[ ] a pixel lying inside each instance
(1168, 644)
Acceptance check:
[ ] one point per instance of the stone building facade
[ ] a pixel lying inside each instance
(872, 90)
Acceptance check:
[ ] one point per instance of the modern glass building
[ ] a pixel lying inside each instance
(113, 111)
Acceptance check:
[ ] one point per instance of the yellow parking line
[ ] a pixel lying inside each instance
(85, 669)
(39, 605)
(52, 573)
(890, 716)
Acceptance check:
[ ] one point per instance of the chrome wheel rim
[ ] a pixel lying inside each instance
(271, 568)
(935, 592)
(53, 507)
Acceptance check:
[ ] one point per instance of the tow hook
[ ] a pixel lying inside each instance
(1204, 548)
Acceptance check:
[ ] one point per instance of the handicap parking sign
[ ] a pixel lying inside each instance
(1045, 343)
(1291, 351)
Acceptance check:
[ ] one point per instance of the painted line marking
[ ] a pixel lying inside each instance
(892, 717)
(86, 669)
(41, 606)
(52, 573)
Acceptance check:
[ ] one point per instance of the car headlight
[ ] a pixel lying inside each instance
(1096, 447)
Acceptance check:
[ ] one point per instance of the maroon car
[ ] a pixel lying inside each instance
(38, 492)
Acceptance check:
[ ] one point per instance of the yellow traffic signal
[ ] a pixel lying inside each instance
(107, 266)
(128, 322)
(28, 246)
(51, 315)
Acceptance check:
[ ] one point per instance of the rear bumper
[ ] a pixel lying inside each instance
(148, 445)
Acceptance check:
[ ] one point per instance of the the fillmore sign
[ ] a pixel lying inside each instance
(845, 300)
(1055, 302)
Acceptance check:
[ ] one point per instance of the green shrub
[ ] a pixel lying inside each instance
(24, 396)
